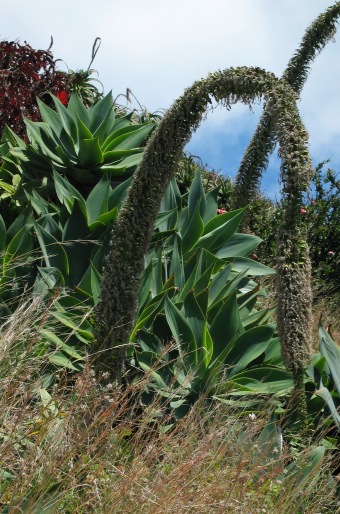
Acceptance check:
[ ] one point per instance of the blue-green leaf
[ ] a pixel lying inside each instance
(193, 229)
(197, 196)
(248, 346)
(254, 268)
(182, 333)
(217, 237)
(330, 350)
(225, 326)
(90, 153)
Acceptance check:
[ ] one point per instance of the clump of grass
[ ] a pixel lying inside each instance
(84, 445)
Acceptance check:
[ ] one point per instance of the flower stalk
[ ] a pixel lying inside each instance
(263, 142)
(134, 227)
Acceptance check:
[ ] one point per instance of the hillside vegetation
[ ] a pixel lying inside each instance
(169, 337)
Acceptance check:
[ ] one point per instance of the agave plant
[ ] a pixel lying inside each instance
(59, 247)
(200, 319)
(324, 373)
(79, 143)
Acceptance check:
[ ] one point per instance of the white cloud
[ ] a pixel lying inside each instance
(159, 47)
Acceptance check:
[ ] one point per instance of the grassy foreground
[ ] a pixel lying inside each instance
(84, 447)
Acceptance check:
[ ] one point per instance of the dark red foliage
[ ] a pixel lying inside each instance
(25, 74)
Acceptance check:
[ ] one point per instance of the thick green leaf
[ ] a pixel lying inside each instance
(61, 360)
(54, 339)
(83, 131)
(144, 286)
(218, 283)
(66, 193)
(247, 347)
(44, 140)
(239, 245)
(117, 155)
(50, 117)
(77, 244)
(20, 246)
(2, 234)
(257, 317)
(78, 111)
(218, 236)
(48, 278)
(118, 194)
(66, 119)
(33, 161)
(157, 274)
(148, 313)
(220, 219)
(104, 219)
(122, 127)
(189, 284)
(231, 285)
(90, 154)
(53, 252)
(330, 350)
(269, 442)
(193, 229)
(98, 200)
(197, 197)
(225, 326)
(126, 163)
(254, 268)
(66, 319)
(264, 380)
(176, 267)
(162, 217)
(304, 469)
(182, 333)
(198, 324)
(149, 342)
(324, 393)
(69, 154)
(130, 140)
(247, 301)
(211, 205)
(170, 203)
(149, 364)
(203, 281)
(102, 117)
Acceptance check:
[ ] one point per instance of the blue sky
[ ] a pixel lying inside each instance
(157, 48)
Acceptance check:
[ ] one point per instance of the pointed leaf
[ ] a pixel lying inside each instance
(176, 267)
(254, 268)
(182, 333)
(131, 140)
(226, 325)
(53, 252)
(90, 154)
(330, 350)
(102, 117)
(239, 245)
(98, 200)
(61, 360)
(193, 230)
(217, 237)
(248, 346)
(197, 196)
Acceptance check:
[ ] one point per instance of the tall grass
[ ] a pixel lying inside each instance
(82, 445)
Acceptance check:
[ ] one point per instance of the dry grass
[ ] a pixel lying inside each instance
(95, 448)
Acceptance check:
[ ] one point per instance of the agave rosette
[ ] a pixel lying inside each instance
(199, 297)
(80, 143)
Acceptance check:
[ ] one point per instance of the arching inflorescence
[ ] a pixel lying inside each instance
(134, 227)
(262, 144)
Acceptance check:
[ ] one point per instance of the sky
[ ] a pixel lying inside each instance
(157, 48)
